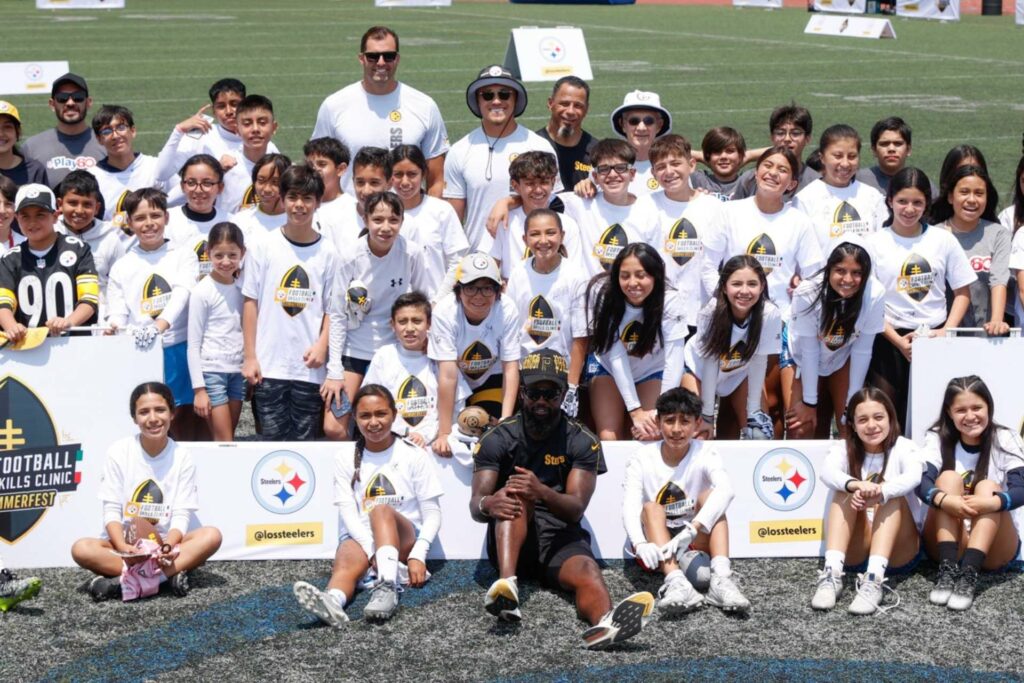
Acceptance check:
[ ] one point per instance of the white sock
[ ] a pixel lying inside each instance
(673, 574)
(834, 560)
(338, 595)
(877, 564)
(721, 566)
(387, 563)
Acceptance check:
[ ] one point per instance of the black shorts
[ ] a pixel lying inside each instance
(549, 543)
(356, 365)
(288, 410)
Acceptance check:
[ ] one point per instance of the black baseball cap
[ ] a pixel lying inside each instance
(69, 78)
(544, 366)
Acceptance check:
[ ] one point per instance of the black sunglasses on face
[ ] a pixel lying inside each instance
(389, 56)
(537, 393)
(635, 120)
(503, 95)
(63, 97)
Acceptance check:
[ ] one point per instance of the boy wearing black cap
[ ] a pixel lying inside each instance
(71, 145)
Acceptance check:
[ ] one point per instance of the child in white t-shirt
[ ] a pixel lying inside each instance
(264, 212)
(202, 181)
(338, 213)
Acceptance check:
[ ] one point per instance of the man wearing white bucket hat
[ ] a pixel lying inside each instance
(476, 168)
(640, 119)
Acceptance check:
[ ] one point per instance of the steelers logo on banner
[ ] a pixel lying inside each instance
(835, 339)
(763, 249)
(916, 277)
(380, 491)
(674, 501)
(541, 323)
(613, 240)
(147, 501)
(412, 400)
(476, 360)
(249, 197)
(203, 257)
(734, 359)
(631, 336)
(846, 220)
(294, 293)
(683, 243)
(156, 292)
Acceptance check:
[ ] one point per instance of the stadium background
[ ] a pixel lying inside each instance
(954, 83)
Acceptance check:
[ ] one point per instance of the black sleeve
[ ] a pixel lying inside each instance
(927, 490)
(586, 451)
(9, 267)
(1013, 496)
(490, 450)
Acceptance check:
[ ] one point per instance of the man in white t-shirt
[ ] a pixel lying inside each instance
(476, 170)
(379, 111)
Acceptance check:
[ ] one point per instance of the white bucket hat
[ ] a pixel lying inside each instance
(640, 99)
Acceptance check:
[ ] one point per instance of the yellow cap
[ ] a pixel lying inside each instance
(9, 109)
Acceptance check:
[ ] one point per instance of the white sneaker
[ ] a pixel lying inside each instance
(623, 622)
(869, 594)
(830, 587)
(724, 595)
(678, 596)
(502, 600)
(322, 604)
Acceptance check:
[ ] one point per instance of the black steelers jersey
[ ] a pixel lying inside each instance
(38, 288)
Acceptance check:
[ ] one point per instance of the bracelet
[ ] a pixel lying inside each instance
(846, 486)
(809, 405)
(480, 507)
(938, 501)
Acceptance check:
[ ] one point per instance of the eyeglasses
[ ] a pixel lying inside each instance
(791, 133)
(485, 290)
(192, 184)
(120, 129)
(78, 96)
(488, 95)
(637, 120)
(389, 56)
(621, 169)
(538, 393)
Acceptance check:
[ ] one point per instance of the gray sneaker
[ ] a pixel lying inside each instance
(724, 595)
(948, 573)
(678, 596)
(869, 594)
(320, 603)
(962, 596)
(105, 588)
(383, 601)
(830, 587)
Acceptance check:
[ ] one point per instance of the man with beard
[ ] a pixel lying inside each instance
(71, 144)
(533, 476)
(569, 103)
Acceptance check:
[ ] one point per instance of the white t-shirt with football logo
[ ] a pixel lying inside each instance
(510, 250)
(239, 192)
(649, 478)
(545, 302)
(606, 229)
(901, 477)
(479, 350)
(146, 285)
(161, 488)
(256, 225)
(404, 116)
(115, 184)
(339, 220)
(681, 230)
(478, 173)
(783, 242)
(292, 284)
(1007, 454)
(411, 377)
(188, 230)
(839, 212)
(914, 272)
(644, 181)
(673, 328)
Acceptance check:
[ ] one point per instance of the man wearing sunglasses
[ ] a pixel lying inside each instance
(380, 111)
(71, 144)
(641, 119)
(533, 476)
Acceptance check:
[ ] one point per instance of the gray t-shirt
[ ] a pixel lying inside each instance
(60, 154)
(988, 251)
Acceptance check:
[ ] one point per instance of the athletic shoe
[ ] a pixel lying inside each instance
(502, 600)
(324, 605)
(830, 587)
(14, 590)
(948, 573)
(724, 594)
(383, 601)
(179, 584)
(105, 588)
(623, 622)
(678, 596)
(963, 590)
(869, 594)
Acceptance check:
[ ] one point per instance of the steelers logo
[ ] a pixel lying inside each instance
(294, 292)
(68, 259)
(682, 243)
(156, 292)
(612, 241)
(652, 184)
(673, 500)
(412, 401)
(734, 359)
(512, 157)
(380, 491)
(494, 71)
(631, 336)
(481, 262)
(541, 322)
(395, 116)
(916, 277)
(476, 360)
(763, 249)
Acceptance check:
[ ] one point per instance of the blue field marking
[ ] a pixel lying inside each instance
(222, 627)
(764, 669)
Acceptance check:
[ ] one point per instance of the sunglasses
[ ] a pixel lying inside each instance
(63, 97)
(503, 95)
(538, 393)
(637, 120)
(389, 56)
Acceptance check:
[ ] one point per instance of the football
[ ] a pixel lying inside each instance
(696, 565)
(473, 420)
(137, 528)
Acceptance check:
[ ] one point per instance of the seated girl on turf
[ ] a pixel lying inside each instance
(387, 493)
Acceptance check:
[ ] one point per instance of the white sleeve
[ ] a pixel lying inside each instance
(324, 127)
(633, 501)
(618, 365)
(808, 255)
(176, 306)
(348, 509)
(169, 161)
(721, 494)
(860, 360)
(908, 478)
(675, 362)
(117, 305)
(808, 350)
(435, 142)
(430, 510)
(454, 182)
(833, 470)
(708, 383)
(198, 313)
(510, 349)
(455, 243)
(756, 370)
(111, 513)
(441, 338)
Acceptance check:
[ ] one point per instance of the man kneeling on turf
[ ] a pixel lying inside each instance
(676, 494)
(533, 476)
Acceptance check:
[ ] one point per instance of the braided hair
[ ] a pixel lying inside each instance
(364, 391)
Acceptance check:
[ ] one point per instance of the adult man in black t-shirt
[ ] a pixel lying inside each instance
(569, 102)
(533, 476)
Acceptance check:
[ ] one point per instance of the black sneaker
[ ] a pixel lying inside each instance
(105, 588)
(963, 591)
(179, 584)
(948, 572)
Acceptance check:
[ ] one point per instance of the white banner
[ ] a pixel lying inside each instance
(32, 78)
(768, 4)
(844, 6)
(849, 27)
(79, 4)
(1020, 13)
(945, 10)
(547, 54)
(412, 3)
(61, 407)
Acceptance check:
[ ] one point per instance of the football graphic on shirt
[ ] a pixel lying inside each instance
(156, 292)
(294, 293)
(476, 360)
(874, 478)
(916, 277)
(119, 217)
(631, 335)
(541, 323)
(845, 219)
(203, 257)
(682, 243)
(835, 338)
(146, 502)
(734, 359)
(673, 500)
(763, 249)
(249, 198)
(613, 240)
(412, 401)
(380, 491)
(968, 477)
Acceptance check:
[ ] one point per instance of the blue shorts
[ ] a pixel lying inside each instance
(222, 387)
(785, 357)
(595, 369)
(176, 374)
(898, 571)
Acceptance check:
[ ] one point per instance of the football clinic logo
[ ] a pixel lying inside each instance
(674, 501)
(476, 360)
(916, 277)
(380, 491)
(249, 198)
(612, 241)
(874, 478)
(846, 220)
(834, 339)
(156, 292)
(968, 477)
(541, 323)
(412, 400)
(682, 243)
(283, 482)
(784, 479)
(734, 359)
(147, 502)
(763, 249)
(294, 293)
(34, 467)
(202, 251)
(630, 336)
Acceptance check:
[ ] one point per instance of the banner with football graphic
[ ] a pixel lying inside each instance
(945, 10)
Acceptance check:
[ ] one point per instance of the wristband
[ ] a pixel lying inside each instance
(480, 507)
(808, 404)
(846, 486)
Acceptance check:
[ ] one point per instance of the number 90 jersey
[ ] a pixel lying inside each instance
(38, 288)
